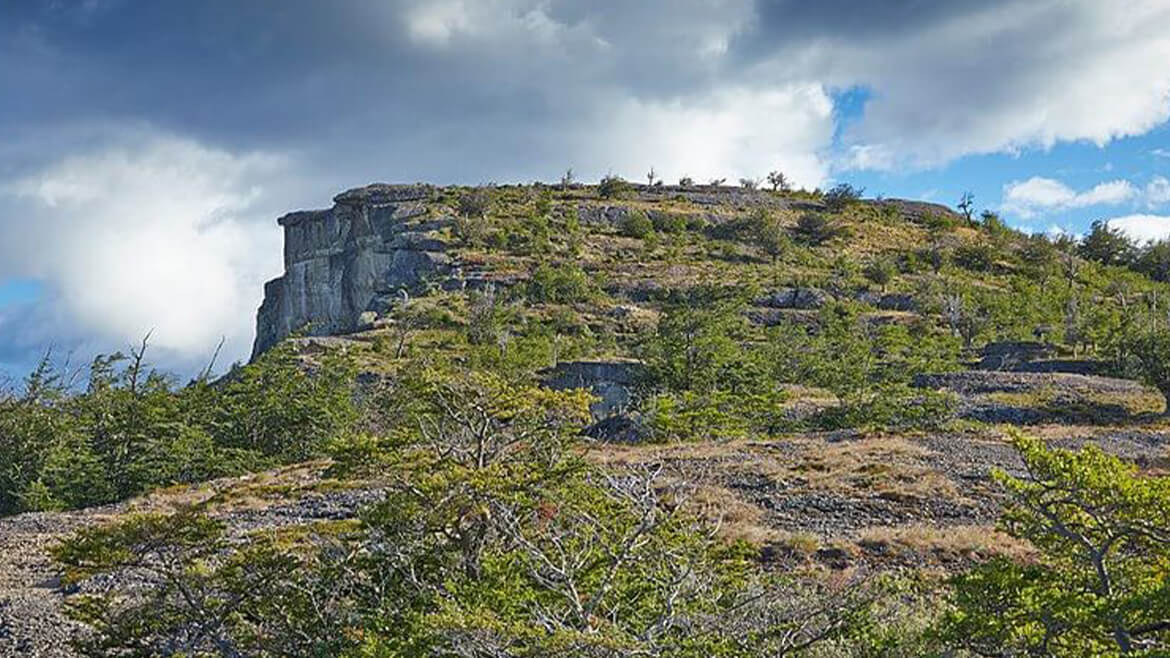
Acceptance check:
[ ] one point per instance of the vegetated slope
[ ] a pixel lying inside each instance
(834, 376)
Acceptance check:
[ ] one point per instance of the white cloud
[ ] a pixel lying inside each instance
(1037, 195)
(1009, 76)
(1161, 153)
(1143, 228)
(1157, 191)
(729, 133)
(159, 234)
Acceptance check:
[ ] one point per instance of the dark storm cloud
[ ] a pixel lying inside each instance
(350, 75)
(787, 21)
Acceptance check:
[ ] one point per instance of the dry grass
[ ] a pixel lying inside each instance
(736, 520)
(890, 467)
(617, 455)
(800, 544)
(945, 544)
(254, 491)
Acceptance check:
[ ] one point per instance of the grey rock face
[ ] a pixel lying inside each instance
(612, 382)
(1007, 355)
(798, 298)
(339, 263)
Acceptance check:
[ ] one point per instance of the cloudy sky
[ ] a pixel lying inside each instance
(147, 146)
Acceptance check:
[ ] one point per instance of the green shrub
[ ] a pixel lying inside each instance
(890, 406)
(816, 229)
(979, 257)
(841, 197)
(279, 409)
(637, 225)
(566, 283)
(492, 533)
(880, 271)
(475, 203)
(670, 222)
(696, 347)
(614, 187)
(1100, 582)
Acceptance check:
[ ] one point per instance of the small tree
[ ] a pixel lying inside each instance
(1154, 261)
(967, 206)
(567, 179)
(749, 183)
(880, 271)
(651, 177)
(1150, 350)
(686, 181)
(772, 238)
(1106, 245)
(779, 182)
(692, 349)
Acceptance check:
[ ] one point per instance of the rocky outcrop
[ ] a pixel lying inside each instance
(350, 260)
(920, 212)
(796, 298)
(1008, 355)
(613, 382)
(1028, 398)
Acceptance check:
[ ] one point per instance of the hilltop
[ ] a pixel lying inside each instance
(347, 266)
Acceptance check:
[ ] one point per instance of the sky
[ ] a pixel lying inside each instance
(146, 147)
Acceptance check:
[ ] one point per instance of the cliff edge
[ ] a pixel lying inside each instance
(350, 260)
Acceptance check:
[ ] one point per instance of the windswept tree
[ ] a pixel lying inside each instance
(842, 196)
(1100, 582)
(1107, 245)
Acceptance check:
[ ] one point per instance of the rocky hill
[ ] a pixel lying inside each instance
(347, 266)
(835, 377)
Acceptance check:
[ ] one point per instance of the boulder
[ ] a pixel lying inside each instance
(797, 298)
(613, 382)
(897, 302)
(618, 428)
(1008, 355)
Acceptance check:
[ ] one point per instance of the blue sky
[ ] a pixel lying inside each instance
(146, 147)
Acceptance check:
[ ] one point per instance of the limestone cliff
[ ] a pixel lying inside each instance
(347, 264)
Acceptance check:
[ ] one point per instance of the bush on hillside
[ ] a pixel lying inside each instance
(842, 196)
(614, 187)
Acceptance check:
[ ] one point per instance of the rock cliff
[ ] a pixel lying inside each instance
(345, 265)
